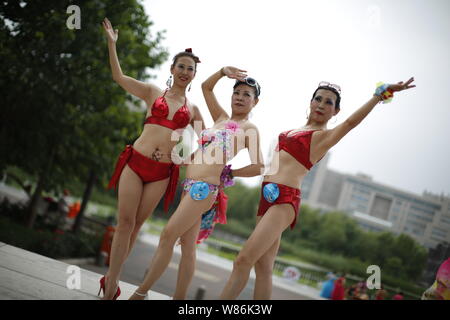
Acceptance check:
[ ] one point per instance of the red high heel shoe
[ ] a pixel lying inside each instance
(102, 287)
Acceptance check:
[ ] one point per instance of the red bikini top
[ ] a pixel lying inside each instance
(160, 111)
(298, 145)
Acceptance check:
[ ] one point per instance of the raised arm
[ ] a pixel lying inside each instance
(135, 87)
(252, 143)
(217, 112)
(197, 121)
(330, 137)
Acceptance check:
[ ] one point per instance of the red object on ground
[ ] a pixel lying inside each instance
(107, 242)
(74, 209)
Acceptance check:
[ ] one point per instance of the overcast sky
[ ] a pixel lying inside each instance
(290, 46)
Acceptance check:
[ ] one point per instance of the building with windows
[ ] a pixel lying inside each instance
(378, 207)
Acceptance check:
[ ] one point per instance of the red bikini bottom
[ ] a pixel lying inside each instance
(287, 195)
(148, 170)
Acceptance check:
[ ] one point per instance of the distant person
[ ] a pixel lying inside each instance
(145, 171)
(63, 203)
(381, 294)
(440, 289)
(352, 292)
(339, 289)
(363, 294)
(328, 285)
(297, 152)
(74, 209)
(398, 296)
(361, 291)
(63, 210)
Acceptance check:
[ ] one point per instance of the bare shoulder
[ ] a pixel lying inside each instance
(250, 126)
(192, 106)
(321, 142)
(321, 134)
(330, 137)
(318, 144)
(222, 118)
(195, 111)
(153, 87)
(153, 93)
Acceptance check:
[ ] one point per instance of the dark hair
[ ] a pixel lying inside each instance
(186, 53)
(251, 83)
(338, 96)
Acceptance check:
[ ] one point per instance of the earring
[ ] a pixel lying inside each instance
(189, 89)
(307, 114)
(169, 82)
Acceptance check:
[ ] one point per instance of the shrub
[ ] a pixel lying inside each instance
(47, 243)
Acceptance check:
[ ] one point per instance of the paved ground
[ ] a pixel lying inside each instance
(26, 275)
(211, 274)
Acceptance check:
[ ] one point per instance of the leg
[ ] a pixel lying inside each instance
(264, 271)
(266, 233)
(129, 196)
(187, 214)
(151, 195)
(186, 268)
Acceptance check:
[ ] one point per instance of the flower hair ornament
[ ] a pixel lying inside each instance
(196, 59)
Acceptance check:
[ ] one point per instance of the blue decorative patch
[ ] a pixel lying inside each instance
(199, 190)
(271, 192)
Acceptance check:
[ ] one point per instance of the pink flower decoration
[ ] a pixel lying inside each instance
(231, 125)
(205, 139)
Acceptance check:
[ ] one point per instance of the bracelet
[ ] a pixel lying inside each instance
(140, 294)
(222, 73)
(384, 92)
(226, 177)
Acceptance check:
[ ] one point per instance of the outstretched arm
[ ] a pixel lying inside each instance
(330, 137)
(217, 112)
(135, 87)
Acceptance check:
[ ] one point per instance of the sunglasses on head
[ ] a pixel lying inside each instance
(330, 85)
(252, 83)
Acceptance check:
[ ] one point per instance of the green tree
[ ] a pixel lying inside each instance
(394, 266)
(412, 254)
(386, 242)
(366, 247)
(309, 222)
(243, 203)
(353, 236)
(61, 104)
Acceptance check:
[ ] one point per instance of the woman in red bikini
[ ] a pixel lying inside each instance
(145, 171)
(297, 151)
